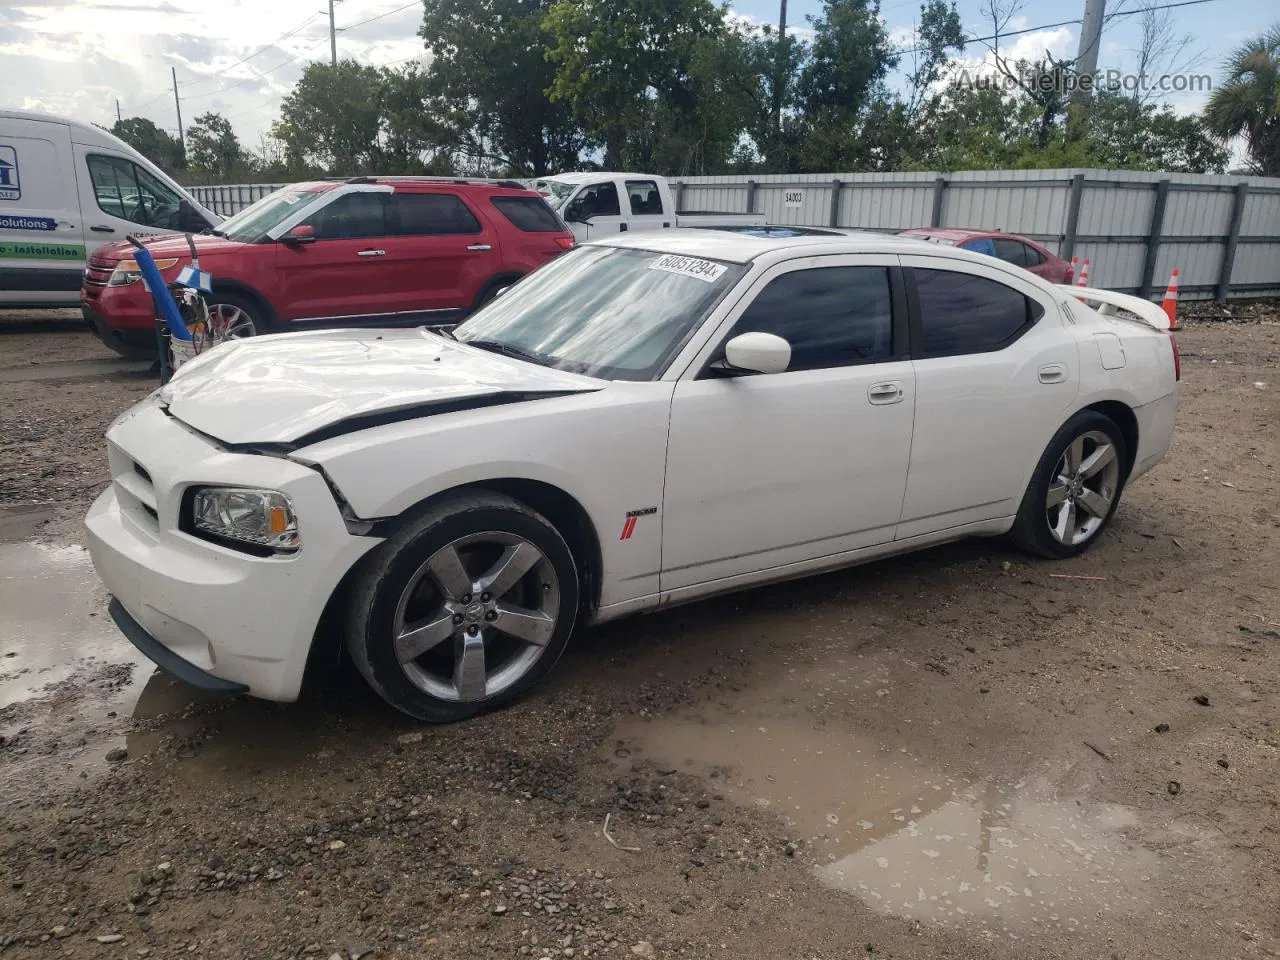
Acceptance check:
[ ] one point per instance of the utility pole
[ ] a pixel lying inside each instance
(780, 78)
(1090, 37)
(119, 115)
(333, 38)
(177, 105)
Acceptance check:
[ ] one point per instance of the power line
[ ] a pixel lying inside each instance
(260, 50)
(261, 75)
(415, 3)
(1065, 23)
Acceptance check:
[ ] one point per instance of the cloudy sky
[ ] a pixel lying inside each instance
(238, 57)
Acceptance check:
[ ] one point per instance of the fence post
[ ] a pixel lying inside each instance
(939, 188)
(751, 196)
(1153, 238)
(834, 219)
(1233, 237)
(1073, 217)
(678, 199)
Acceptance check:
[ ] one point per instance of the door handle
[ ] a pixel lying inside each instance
(372, 253)
(102, 229)
(881, 393)
(1053, 373)
(477, 247)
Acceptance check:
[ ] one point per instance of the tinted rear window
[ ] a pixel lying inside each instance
(425, 214)
(961, 313)
(530, 214)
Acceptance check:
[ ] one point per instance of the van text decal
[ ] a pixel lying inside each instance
(41, 251)
(27, 223)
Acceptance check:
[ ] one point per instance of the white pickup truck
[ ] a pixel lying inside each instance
(598, 205)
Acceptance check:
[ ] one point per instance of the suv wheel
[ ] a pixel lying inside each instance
(464, 609)
(233, 317)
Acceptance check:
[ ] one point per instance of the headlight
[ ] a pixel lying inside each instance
(245, 517)
(128, 271)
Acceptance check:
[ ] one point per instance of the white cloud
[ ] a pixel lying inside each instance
(75, 57)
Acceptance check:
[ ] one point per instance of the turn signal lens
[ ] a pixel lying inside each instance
(128, 271)
(566, 243)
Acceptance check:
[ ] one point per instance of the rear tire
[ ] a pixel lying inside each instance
(1075, 489)
(464, 609)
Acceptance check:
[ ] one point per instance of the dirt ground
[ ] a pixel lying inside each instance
(962, 753)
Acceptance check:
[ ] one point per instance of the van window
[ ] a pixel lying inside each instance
(125, 190)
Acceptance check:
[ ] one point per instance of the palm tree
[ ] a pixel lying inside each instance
(1247, 102)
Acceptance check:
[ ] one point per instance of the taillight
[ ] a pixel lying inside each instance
(566, 243)
(1071, 276)
(1177, 358)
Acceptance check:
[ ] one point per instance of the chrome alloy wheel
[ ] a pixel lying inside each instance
(477, 616)
(229, 322)
(1084, 486)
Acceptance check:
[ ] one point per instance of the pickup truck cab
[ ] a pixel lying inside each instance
(598, 205)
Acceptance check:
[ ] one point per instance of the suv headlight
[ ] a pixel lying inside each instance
(128, 271)
(259, 521)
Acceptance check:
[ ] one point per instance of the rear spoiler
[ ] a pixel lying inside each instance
(1108, 302)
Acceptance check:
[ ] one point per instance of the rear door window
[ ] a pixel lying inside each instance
(962, 313)
(644, 197)
(433, 214)
(530, 214)
(1012, 251)
(597, 200)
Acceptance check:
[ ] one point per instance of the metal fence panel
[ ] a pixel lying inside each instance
(1112, 227)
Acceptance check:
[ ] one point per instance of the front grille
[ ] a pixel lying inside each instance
(134, 489)
(98, 271)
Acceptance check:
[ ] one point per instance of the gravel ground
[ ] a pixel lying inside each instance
(811, 770)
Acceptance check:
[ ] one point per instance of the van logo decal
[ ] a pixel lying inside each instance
(10, 185)
(27, 223)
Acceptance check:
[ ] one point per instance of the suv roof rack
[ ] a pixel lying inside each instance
(478, 181)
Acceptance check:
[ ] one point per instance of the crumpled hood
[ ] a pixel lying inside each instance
(282, 389)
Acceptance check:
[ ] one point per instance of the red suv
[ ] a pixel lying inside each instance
(1009, 247)
(370, 250)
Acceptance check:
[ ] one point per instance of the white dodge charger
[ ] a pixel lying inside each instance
(647, 420)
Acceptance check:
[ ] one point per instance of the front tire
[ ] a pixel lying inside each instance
(464, 609)
(1075, 489)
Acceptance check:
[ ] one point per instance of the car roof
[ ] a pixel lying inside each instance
(743, 246)
(959, 234)
(582, 177)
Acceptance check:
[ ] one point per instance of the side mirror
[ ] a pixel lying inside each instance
(302, 233)
(758, 353)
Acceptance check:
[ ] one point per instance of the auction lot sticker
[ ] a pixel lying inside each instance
(705, 270)
(41, 251)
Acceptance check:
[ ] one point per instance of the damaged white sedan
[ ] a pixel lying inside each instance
(646, 421)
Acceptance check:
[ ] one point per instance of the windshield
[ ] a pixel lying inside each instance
(555, 191)
(251, 223)
(618, 314)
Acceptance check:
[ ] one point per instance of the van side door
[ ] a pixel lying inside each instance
(42, 252)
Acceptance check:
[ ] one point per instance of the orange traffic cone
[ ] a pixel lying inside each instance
(1170, 303)
(1083, 279)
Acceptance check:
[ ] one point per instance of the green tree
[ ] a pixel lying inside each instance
(641, 77)
(152, 142)
(213, 149)
(488, 81)
(1246, 103)
(333, 118)
(414, 140)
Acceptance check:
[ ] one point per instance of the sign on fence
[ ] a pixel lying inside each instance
(793, 198)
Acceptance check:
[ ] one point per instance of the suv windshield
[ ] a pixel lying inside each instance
(253, 222)
(618, 314)
(555, 191)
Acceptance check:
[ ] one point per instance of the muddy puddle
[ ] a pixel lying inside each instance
(1021, 858)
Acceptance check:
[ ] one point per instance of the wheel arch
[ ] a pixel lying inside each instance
(1122, 415)
(249, 293)
(503, 279)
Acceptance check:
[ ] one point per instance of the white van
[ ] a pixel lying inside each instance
(66, 188)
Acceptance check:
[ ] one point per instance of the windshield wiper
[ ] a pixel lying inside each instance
(506, 349)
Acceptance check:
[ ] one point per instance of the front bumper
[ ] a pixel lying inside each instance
(249, 621)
